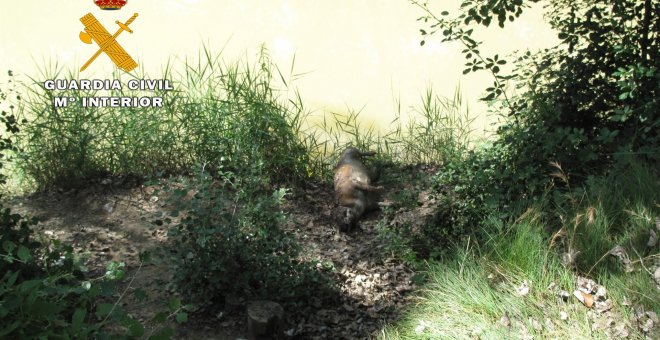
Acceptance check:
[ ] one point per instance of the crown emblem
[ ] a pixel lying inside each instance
(110, 4)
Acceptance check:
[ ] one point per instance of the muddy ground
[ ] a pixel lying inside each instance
(112, 220)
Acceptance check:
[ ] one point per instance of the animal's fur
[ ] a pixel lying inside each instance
(353, 186)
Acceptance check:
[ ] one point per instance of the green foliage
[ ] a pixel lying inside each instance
(43, 289)
(438, 130)
(584, 104)
(471, 293)
(617, 210)
(228, 243)
(219, 114)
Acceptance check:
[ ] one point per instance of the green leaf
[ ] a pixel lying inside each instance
(164, 334)
(8, 330)
(181, 317)
(30, 285)
(103, 309)
(562, 36)
(44, 308)
(174, 304)
(78, 318)
(421, 43)
(160, 317)
(140, 294)
(12, 278)
(8, 246)
(490, 96)
(135, 328)
(23, 253)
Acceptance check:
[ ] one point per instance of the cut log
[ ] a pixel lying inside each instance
(265, 320)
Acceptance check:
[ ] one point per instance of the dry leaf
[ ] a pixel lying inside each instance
(653, 239)
(586, 285)
(647, 326)
(523, 290)
(603, 323)
(504, 321)
(558, 235)
(620, 331)
(569, 257)
(621, 253)
(601, 292)
(549, 325)
(535, 324)
(586, 299)
(625, 301)
(591, 212)
(604, 306)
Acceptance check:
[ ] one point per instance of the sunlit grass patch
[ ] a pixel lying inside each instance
(521, 283)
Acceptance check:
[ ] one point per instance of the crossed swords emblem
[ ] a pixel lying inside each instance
(107, 43)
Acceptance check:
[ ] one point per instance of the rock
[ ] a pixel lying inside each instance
(265, 320)
(109, 207)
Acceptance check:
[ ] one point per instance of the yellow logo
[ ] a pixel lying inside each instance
(107, 43)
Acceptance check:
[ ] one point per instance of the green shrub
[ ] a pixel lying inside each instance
(228, 243)
(43, 289)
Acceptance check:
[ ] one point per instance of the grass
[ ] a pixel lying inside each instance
(245, 114)
(248, 119)
(468, 296)
(218, 115)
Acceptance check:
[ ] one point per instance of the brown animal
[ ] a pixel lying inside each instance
(353, 186)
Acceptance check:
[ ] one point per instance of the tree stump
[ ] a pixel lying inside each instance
(265, 320)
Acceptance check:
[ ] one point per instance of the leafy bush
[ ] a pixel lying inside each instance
(588, 102)
(227, 242)
(43, 289)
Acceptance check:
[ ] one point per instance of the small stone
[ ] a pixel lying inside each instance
(523, 290)
(563, 315)
(109, 207)
(504, 321)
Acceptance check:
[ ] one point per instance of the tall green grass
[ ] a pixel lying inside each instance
(434, 131)
(244, 116)
(468, 296)
(219, 115)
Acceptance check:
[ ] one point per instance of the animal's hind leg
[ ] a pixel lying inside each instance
(354, 213)
(366, 187)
